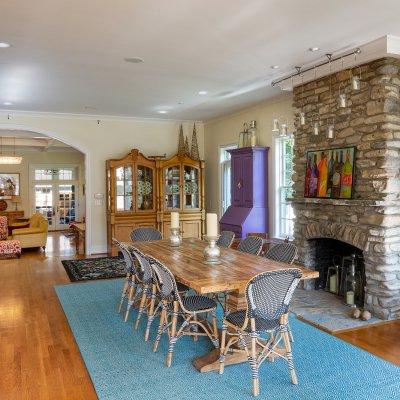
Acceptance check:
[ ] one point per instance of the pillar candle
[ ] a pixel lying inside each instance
(332, 283)
(212, 225)
(174, 220)
(350, 298)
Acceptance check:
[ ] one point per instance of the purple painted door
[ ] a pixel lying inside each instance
(247, 187)
(237, 180)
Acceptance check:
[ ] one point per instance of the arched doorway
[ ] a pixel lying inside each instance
(59, 179)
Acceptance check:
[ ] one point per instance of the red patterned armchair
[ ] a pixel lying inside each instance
(8, 247)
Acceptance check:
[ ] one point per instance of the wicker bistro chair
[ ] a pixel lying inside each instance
(129, 287)
(251, 245)
(226, 239)
(189, 308)
(145, 234)
(282, 252)
(268, 296)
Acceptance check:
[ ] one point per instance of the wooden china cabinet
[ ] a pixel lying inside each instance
(182, 189)
(143, 191)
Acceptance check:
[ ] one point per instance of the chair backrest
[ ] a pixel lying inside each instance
(3, 227)
(165, 279)
(282, 252)
(144, 270)
(251, 245)
(268, 294)
(226, 239)
(129, 266)
(145, 234)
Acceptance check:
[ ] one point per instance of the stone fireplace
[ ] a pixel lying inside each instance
(370, 222)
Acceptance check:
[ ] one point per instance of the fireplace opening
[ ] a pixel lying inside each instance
(341, 269)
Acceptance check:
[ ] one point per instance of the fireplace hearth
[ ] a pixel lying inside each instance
(367, 225)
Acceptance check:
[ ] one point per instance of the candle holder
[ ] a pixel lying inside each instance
(175, 239)
(212, 251)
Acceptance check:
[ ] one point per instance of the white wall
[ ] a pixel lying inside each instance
(112, 138)
(50, 158)
(225, 130)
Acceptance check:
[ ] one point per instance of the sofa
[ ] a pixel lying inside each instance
(35, 235)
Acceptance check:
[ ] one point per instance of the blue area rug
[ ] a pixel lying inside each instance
(123, 366)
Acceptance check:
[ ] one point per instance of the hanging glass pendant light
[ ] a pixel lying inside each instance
(330, 130)
(275, 125)
(316, 128)
(356, 80)
(302, 117)
(302, 114)
(284, 130)
(342, 98)
(8, 159)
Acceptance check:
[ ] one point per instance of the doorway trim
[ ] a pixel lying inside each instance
(88, 188)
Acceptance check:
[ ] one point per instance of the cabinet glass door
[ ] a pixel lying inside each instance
(144, 188)
(123, 181)
(191, 187)
(172, 187)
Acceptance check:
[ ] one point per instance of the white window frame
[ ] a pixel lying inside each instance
(280, 230)
(222, 166)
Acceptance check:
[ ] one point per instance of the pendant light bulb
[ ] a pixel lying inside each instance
(316, 129)
(330, 131)
(275, 125)
(302, 118)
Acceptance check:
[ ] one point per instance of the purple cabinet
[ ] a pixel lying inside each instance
(249, 192)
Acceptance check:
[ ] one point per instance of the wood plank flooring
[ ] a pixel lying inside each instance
(39, 358)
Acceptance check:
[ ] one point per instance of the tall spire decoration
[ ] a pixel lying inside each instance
(195, 147)
(181, 143)
(187, 150)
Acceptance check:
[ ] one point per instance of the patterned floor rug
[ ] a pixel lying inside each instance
(122, 366)
(94, 268)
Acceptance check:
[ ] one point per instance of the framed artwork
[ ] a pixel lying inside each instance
(330, 173)
(9, 184)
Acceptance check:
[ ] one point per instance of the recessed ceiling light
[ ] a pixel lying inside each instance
(313, 48)
(134, 60)
(202, 92)
(274, 66)
(4, 45)
(162, 112)
(7, 103)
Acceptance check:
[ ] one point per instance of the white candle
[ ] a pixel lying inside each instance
(332, 283)
(350, 298)
(212, 225)
(174, 220)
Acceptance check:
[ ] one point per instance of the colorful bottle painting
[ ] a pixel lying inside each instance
(347, 178)
(331, 162)
(329, 173)
(308, 178)
(322, 176)
(314, 178)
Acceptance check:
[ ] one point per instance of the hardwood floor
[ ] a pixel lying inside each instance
(39, 358)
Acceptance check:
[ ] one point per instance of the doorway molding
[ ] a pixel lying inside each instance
(85, 151)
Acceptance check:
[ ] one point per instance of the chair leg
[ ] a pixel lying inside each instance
(151, 313)
(141, 306)
(215, 330)
(195, 329)
(173, 337)
(290, 333)
(132, 292)
(163, 319)
(253, 359)
(288, 348)
(124, 291)
(222, 349)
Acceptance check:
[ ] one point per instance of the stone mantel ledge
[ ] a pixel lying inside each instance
(343, 202)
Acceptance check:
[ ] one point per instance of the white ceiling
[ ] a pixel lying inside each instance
(68, 55)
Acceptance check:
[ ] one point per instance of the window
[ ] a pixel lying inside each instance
(284, 168)
(62, 174)
(225, 165)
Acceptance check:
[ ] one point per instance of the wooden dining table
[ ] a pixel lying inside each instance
(230, 275)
